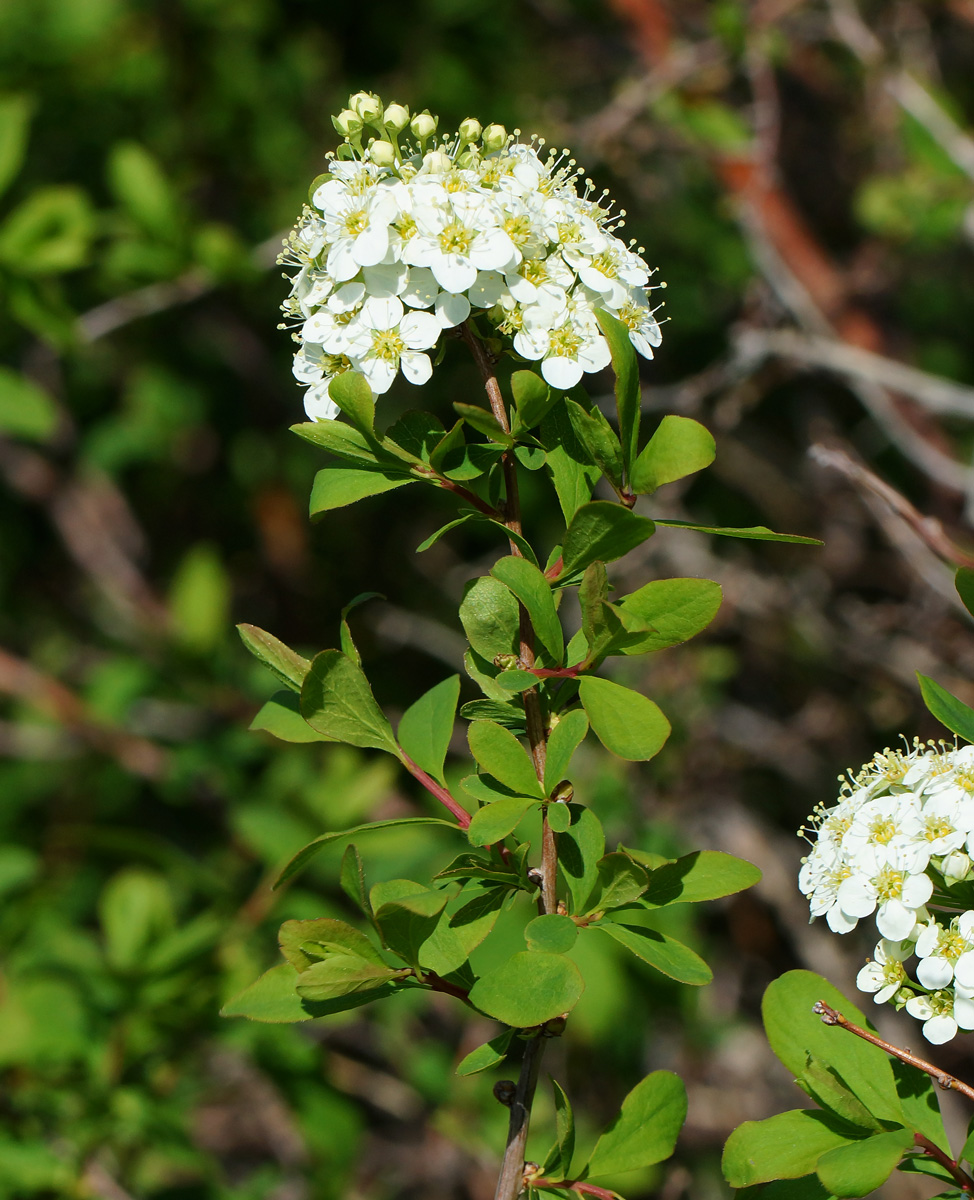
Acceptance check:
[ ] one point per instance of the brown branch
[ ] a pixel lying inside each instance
(931, 1149)
(511, 1178)
(831, 1016)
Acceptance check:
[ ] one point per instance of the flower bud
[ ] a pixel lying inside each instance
(470, 130)
(956, 865)
(367, 105)
(347, 123)
(563, 792)
(382, 153)
(437, 162)
(396, 117)
(495, 138)
(423, 125)
(507, 662)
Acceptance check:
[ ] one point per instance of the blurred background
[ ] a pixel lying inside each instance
(803, 174)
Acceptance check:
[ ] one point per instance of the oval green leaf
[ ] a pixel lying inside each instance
(646, 1129)
(530, 988)
(625, 722)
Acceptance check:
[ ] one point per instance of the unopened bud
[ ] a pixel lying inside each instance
(505, 1090)
(423, 125)
(437, 163)
(956, 865)
(396, 117)
(383, 154)
(347, 123)
(470, 130)
(563, 792)
(495, 138)
(507, 662)
(367, 105)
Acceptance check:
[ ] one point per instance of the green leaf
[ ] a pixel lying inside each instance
(516, 680)
(795, 1032)
(351, 392)
(49, 232)
(558, 1160)
(679, 447)
(26, 410)
(787, 1146)
(405, 917)
(511, 716)
(341, 975)
(625, 722)
(351, 878)
(500, 754)
(349, 649)
(533, 400)
(272, 998)
(599, 439)
(490, 616)
(454, 524)
(336, 700)
(921, 1108)
(964, 583)
(135, 910)
(528, 989)
(827, 1088)
(305, 942)
(281, 717)
(15, 114)
(559, 816)
(862, 1167)
(458, 934)
(494, 821)
(552, 932)
(579, 851)
(757, 533)
(488, 1055)
(809, 1187)
(484, 422)
(621, 881)
(646, 1129)
(486, 789)
(288, 666)
(565, 738)
(661, 951)
(702, 875)
(948, 710)
(529, 585)
(452, 440)
(304, 856)
(628, 395)
(339, 437)
(335, 486)
(140, 185)
(427, 726)
(567, 462)
(674, 609)
(415, 436)
(602, 530)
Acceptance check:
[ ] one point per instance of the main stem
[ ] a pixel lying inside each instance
(511, 1179)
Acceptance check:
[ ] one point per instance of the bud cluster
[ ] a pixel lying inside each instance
(408, 233)
(898, 844)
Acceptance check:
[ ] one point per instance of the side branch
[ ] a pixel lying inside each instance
(944, 1080)
(435, 789)
(961, 1177)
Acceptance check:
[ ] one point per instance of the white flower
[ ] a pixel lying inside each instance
(942, 1013)
(383, 339)
(568, 343)
(885, 975)
(457, 240)
(940, 948)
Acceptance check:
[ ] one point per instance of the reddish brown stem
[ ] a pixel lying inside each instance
(960, 1176)
(435, 789)
(432, 980)
(831, 1016)
(576, 1185)
(556, 672)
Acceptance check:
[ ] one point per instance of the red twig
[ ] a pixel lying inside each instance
(435, 789)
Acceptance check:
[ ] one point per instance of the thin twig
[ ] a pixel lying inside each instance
(435, 789)
(511, 1178)
(961, 1177)
(831, 1016)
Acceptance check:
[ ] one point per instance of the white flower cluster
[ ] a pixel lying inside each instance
(898, 844)
(403, 239)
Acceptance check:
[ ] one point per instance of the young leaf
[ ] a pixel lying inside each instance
(602, 530)
(281, 717)
(323, 936)
(271, 998)
(599, 439)
(621, 881)
(758, 533)
(427, 726)
(340, 438)
(336, 700)
(533, 400)
(646, 1129)
(559, 816)
(964, 583)
(336, 486)
(559, 1158)
(305, 855)
(678, 447)
(489, 616)
(286, 664)
(342, 974)
(529, 585)
(500, 754)
(511, 716)
(552, 932)
(406, 913)
(349, 649)
(948, 710)
(528, 989)
(864, 1166)
(661, 951)
(787, 1146)
(579, 851)
(488, 1055)
(351, 392)
(628, 396)
(494, 821)
(702, 875)
(454, 524)
(674, 609)
(795, 1032)
(625, 722)
(565, 738)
